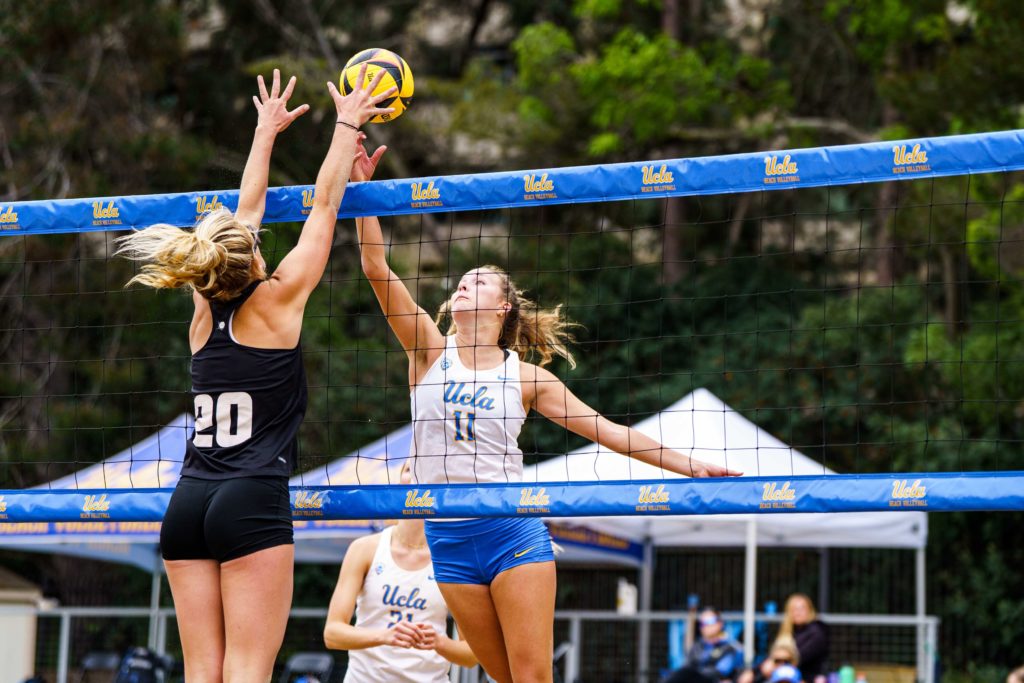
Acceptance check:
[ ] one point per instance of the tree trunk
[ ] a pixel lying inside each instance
(951, 309)
(736, 224)
(464, 55)
(885, 206)
(670, 18)
(884, 240)
(672, 268)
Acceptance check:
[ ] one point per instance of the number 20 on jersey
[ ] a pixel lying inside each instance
(230, 414)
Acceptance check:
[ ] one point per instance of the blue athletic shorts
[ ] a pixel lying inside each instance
(477, 550)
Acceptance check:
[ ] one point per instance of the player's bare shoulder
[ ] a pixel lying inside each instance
(530, 373)
(365, 544)
(531, 379)
(534, 379)
(362, 550)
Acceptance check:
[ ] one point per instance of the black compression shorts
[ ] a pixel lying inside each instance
(226, 519)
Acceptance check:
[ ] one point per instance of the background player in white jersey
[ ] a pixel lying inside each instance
(401, 619)
(470, 394)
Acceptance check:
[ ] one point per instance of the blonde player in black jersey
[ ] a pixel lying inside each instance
(226, 538)
(471, 390)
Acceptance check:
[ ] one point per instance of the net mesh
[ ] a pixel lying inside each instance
(873, 328)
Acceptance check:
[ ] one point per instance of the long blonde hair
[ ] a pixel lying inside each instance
(217, 258)
(786, 630)
(787, 643)
(527, 329)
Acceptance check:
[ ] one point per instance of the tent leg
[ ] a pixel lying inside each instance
(643, 644)
(154, 609)
(64, 648)
(824, 572)
(749, 593)
(923, 656)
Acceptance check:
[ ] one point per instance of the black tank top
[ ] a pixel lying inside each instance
(249, 404)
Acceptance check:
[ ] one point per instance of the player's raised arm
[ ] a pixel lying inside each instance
(553, 400)
(300, 271)
(274, 118)
(415, 330)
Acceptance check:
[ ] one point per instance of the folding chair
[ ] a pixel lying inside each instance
(319, 664)
(95, 662)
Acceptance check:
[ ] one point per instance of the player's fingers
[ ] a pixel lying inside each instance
(405, 629)
(333, 90)
(256, 101)
(384, 95)
(378, 154)
(375, 81)
(288, 89)
(264, 96)
(275, 89)
(297, 112)
(361, 78)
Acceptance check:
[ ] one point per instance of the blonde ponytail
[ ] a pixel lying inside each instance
(216, 259)
(530, 331)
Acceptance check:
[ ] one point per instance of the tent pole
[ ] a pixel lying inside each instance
(923, 663)
(749, 592)
(824, 572)
(643, 659)
(154, 605)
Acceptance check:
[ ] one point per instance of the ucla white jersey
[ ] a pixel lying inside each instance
(466, 423)
(391, 594)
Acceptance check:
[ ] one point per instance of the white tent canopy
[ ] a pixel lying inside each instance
(701, 424)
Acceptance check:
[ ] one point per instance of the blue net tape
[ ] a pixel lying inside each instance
(799, 168)
(832, 493)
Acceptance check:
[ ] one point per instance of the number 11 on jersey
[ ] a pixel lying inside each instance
(468, 421)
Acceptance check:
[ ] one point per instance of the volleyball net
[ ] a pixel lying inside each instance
(842, 324)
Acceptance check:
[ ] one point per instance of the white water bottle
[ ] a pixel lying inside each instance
(625, 599)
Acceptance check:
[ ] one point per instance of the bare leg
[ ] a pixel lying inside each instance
(524, 598)
(257, 592)
(195, 585)
(473, 609)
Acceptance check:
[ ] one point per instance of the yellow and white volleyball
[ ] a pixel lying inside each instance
(396, 74)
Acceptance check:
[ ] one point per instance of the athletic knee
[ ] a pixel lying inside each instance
(532, 672)
(245, 672)
(204, 672)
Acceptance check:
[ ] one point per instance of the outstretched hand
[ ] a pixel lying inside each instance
(701, 470)
(273, 106)
(364, 165)
(360, 105)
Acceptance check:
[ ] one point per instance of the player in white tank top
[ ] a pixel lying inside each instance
(462, 413)
(401, 618)
(463, 389)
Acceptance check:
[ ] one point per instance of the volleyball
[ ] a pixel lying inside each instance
(397, 75)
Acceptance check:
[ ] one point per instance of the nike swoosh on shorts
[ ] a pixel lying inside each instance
(523, 552)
